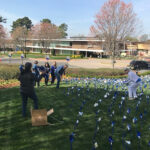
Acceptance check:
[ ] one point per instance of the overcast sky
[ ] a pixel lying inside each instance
(78, 14)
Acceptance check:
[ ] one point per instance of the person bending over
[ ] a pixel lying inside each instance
(44, 73)
(133, 82)
(59, 72)
(27, 82)
(53, 68)
(37, 73)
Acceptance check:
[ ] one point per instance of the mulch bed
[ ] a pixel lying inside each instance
(4, 85)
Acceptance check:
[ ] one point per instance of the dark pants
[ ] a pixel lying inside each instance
(53, 78)
(25, 99)
(45, 76)
(37, 80)
(58, 76)
(46, 79)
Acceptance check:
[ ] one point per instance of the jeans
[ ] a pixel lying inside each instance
(25, 99)
(58, 76)
(46, 76)
(37, 80)
(53, 78)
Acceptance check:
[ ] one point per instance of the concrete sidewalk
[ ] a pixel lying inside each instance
(73, 63)
(90, 63)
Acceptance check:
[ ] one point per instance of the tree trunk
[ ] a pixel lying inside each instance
(113, 55)
(25, 49)
(113, 61)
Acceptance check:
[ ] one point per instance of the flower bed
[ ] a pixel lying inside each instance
(8, 83)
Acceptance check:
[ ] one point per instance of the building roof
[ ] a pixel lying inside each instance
(70, 40)
(70, 49)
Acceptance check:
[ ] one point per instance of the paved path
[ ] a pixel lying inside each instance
(76, 63)
(99, 63)
(91, 63)
(41, 61)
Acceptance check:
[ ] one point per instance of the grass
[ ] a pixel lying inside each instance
(16, 133)
(38, 55)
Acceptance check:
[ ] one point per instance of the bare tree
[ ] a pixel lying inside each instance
(3, 37)
(45, 32)
(19, 38)
(113, 23)
(144, 37)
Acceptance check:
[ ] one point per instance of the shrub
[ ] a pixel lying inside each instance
(76, 56)
(145, 73)
(19, 52)
(8, 71)
(98, 73)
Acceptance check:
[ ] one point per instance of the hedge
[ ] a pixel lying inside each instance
(98, 73)
(12, 71)
(8, 71)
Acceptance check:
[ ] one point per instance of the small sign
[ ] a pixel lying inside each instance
(67, 58)
(47, 57)
(17, 48)
(113, 61)
(9, 55)
(22, 56)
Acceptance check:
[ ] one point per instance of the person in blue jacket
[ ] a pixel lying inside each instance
(21, 68)
(37, 73)
(59, 72)
(44, 72)
(27, 82)
(53, 68)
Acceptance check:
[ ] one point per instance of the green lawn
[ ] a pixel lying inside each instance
(17, 133)
(39, 55)
(15, 55)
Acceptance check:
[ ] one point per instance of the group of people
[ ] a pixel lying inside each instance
(30, 76)
(44, 72)
(47, 70)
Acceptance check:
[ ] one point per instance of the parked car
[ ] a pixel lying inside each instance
(139, 64)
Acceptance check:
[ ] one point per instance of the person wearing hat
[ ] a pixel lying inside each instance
(133, 82)
(59, 72)
(27, 82)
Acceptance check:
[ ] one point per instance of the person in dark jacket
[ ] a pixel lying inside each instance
(27, 82)
(59, 72)
(47, 69)
(37, 73)
(53, 68)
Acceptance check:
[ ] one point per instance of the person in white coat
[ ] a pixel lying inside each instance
(133, 82)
